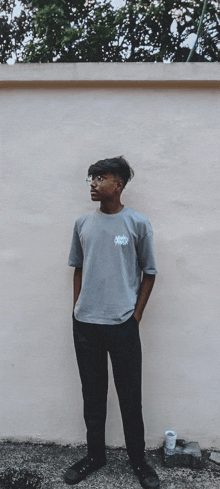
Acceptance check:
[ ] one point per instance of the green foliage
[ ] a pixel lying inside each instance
(93, 30)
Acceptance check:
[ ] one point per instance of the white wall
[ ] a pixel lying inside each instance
(50, 134)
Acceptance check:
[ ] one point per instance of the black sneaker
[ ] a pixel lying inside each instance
(81, 469)
(147, 476)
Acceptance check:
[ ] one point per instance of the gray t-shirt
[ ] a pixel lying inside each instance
(113, 250)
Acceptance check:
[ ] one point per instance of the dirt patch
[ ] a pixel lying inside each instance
(17, 478)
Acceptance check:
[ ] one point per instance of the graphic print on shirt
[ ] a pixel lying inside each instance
(121, 240)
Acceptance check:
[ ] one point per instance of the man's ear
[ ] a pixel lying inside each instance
(120, 185)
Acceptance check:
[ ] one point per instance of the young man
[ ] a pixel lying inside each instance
(112, 253)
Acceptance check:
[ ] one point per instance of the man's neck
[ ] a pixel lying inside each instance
(111, 207)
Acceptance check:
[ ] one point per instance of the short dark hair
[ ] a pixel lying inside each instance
(118, 166)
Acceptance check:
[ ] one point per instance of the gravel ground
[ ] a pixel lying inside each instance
(50, 461)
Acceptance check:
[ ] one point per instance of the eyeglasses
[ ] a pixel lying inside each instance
(92, 178)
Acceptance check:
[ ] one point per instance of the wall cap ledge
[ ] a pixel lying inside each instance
(110, 72)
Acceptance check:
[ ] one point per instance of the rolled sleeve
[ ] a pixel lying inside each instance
(76, 252)
(145, 253)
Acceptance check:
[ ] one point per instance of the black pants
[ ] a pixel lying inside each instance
(92, 343)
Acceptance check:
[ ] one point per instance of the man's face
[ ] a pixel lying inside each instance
(105, 187)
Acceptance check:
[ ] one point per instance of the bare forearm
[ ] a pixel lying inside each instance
(77, 281)
(144, 294)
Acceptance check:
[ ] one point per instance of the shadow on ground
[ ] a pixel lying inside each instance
(45, 465)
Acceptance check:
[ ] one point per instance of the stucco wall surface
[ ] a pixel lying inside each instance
(50, 134)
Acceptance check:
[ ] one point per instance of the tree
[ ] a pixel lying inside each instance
(6, 31)
(93, 30)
